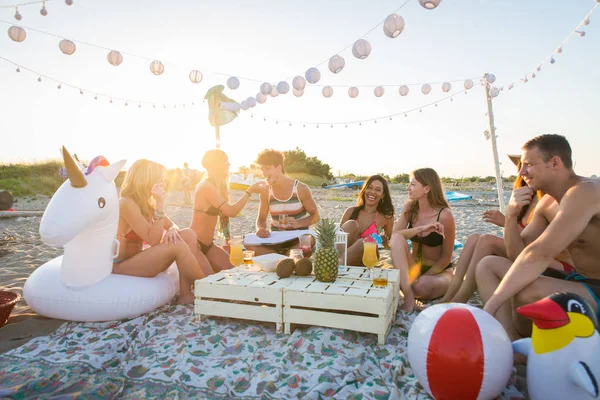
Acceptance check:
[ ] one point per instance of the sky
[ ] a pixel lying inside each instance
(271, 41)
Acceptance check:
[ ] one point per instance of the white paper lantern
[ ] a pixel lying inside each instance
(446, 87)
(196, 76)
(299, 83)
(283, 87)
(468, 84)
(67, 47)
(393, 25)
(251, 101)
(327, 91)
(429, 4)
(336, 64)
(260, 98)
(298, 93)
(361, 49)
(274, 92)
(379, 91)
(312, 75)
(114, 57)
(490, 78)
(426, 89)
(403, 90)
(266, 88)
(156, 67)
(353, 92)
(244, 105)
(237, 106)
(17, 33)
(233, 83)
(494, 92)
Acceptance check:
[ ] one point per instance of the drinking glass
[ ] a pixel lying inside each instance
(380, 277)
(282, 220)
(236, 256)
(306, 245)
(248, 255)
(370, 257)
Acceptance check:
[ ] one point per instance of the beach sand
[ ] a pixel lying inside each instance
(22, 251)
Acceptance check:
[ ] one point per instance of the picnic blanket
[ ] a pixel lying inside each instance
(166, 354)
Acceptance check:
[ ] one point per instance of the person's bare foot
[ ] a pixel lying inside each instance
(519, 359)
(188, 299)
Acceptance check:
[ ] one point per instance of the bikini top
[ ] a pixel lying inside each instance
(212, 211)
(131, 235)
(434, 239)
(371, 229)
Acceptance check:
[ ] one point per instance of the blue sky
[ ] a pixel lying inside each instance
(276, 40)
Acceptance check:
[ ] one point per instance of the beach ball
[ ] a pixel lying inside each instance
(459, 352)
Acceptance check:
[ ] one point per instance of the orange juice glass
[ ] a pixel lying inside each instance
(236, 255)
(369, 257)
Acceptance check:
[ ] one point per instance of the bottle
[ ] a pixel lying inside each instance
(296, 255)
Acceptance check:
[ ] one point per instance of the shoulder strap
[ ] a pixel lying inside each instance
(440, 214)
(355, 213)
(295, 189)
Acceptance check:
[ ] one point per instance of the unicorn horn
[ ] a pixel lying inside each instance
(73, 172)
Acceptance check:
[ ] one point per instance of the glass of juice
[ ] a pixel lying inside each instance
(282, 221)
(236, 255)
(380, 277)
(306, 245)
(248, 255)
(370, 257)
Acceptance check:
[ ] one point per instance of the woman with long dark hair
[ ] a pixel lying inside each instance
(373, 214)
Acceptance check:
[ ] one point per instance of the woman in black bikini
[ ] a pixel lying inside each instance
(211, 205)
(373, 213)
(426, 271)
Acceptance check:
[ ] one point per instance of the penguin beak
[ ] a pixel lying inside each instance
(545, 314)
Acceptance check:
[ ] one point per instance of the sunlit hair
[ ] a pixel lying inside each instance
(520, 182)
(271, 157)
(550, 146)
(435, 197)
(385, 205)
(138, 182)
(216, 164)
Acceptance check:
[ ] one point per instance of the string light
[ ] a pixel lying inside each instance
(18, 16)
(44, 11)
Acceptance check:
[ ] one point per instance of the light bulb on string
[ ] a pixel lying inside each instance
(420, 111)
(303, 125)
(276, 122)
(390, 118)
(559, 49)
(18, 69)
(552, 60)
(317, 126)
(140, 105)
(126, 104)
(164, 107)
(18, 16)
(580, 33)
(44, 11)
(153, 105)
(346, 125)
(290, 124)
(59, 86)
(436, 104)
(96, 97)
(39, 79)
(375, 121)
(332, 126)
(360, 124)
(405, 115)
(451, 99)
(111, 101)
(586, 21)
(80, 91)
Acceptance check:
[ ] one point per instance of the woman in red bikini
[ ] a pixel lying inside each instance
(142, 219)
(211, 205)
(373, 213)
(426, 271)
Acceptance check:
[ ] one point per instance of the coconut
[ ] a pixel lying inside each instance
(285, 268)
(304, 267)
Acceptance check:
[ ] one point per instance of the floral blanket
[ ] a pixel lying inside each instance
(165, 354)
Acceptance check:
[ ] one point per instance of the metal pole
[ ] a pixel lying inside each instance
(494, 147)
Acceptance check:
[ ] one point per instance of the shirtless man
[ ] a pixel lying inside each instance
(573, 225)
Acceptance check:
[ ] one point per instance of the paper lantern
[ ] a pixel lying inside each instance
(260, 98)
(114, 57)
(446, 87)
(429, 4)
(327, 91)
(298, 93)
(312, 75)
(490, 78)
(156, 67)
(494, 92)
(353, 92)
(393, 25)
(468, 84)
(274, 92)
(17, 33)
(266, 88)
(251, 101)
(233, 83)
(299, 83)
(458, 337)
(196, 76)
(336, 64)
(361, 49)
(244, 105)
(426, 89)
(379, 91)
(403, 90)
(67, 47)
(237, 106)
(283, 87)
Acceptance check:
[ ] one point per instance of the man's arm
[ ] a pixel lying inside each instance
(310, 206)
(577, 208)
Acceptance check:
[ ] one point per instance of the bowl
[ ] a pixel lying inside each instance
(268, 262)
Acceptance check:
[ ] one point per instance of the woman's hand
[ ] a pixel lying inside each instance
(494, 217)
(435, 227)
(158, 192)
(172, 236)
(258, 187)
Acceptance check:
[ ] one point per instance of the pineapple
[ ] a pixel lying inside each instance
(326, 257)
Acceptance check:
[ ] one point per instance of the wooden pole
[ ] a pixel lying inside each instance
(217, 124)
(499, 183)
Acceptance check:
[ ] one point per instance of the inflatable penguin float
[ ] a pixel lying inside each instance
(563, 353)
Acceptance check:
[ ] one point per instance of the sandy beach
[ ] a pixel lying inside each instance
(22, 251)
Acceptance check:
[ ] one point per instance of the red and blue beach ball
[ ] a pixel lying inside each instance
(459, 352)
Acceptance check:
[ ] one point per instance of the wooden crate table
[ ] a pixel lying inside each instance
(351, 302)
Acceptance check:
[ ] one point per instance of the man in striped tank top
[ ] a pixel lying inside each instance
(288, 201)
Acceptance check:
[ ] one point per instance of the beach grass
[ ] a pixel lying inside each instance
(31, 179)
(310, 180)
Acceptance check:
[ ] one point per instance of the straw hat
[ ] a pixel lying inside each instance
(515, 158)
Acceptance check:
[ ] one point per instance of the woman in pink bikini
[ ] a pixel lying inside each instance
(372, 215)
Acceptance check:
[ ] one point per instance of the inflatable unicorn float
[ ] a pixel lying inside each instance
(83, 217)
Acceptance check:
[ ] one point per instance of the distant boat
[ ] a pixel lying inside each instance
(455, 196)
(239, 182)
(351, 185)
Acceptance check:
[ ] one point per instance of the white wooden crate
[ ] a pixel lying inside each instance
(351, 302)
